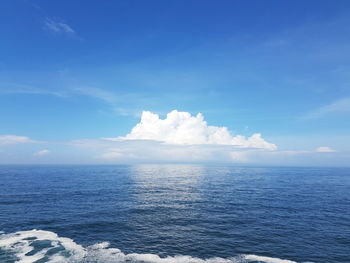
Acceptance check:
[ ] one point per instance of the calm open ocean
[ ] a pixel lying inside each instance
(174, 214)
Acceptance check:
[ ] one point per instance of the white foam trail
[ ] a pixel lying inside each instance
(21, 243)
(267, 259)
(26, 247)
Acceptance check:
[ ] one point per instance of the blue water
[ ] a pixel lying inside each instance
(236, 214)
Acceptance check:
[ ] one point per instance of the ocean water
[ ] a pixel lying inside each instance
(174, 214)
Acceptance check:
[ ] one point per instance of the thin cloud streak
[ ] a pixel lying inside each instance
(14, 139)
(96, 93)
(15, 88)
(42, 152)
(325, 149)
(58, 27)
(337, 107)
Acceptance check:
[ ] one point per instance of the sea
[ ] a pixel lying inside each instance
(174, 213)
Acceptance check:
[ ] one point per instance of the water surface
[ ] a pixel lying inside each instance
(183, 212)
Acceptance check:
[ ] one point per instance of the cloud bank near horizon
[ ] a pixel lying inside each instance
(178, 138)
(181, 128)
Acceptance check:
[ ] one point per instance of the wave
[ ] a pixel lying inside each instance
(45, 246)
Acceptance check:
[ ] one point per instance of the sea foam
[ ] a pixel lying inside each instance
(34, 245)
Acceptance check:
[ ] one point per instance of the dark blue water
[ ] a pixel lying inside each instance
(296, 214)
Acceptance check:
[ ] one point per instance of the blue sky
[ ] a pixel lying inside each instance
(86, 70)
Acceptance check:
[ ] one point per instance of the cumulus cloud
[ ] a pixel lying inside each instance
(181, 128)
(179, 137)
(324, 149)
(42, 152)
(14, 139)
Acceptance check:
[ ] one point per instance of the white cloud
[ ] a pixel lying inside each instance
(14, 139)
(42, 152)
(324, 149)
(181, 128)
(58, 27)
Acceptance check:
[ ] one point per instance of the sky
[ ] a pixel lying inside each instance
(237, 82)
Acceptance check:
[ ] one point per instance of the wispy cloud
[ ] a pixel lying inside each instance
(14, 139)
(96, 93)
(128, 112)
(15, 88)
(58, 27)
(337, 107)
(122, 103)
(42, 152)
(116, 101)
(325, 149)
